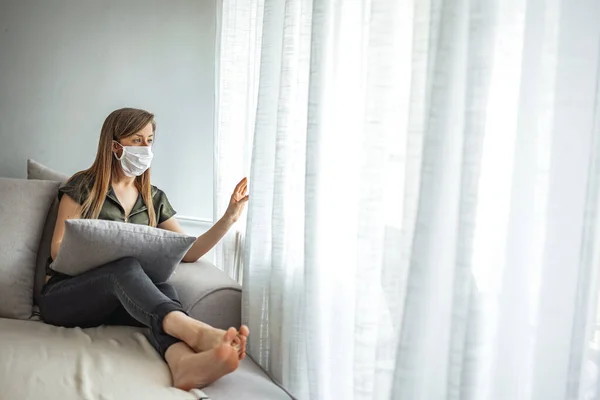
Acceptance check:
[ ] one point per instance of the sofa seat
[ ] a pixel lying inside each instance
(40, 361)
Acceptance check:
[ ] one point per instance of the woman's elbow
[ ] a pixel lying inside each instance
(54, 250)
(189, 259)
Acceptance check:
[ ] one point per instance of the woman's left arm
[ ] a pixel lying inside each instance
(210, 238)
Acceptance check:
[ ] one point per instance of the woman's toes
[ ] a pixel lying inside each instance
(243, 340)
(237, 340)
(244, 331)
(243, 334)
(237, 343)
(240, 343)
(230, 336)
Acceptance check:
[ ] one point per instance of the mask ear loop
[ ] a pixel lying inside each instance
(122, 153)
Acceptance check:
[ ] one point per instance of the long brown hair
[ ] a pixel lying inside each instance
(119, 124)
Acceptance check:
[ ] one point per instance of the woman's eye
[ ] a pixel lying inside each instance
(136, 140)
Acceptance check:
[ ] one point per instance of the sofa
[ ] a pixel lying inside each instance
(40, 361)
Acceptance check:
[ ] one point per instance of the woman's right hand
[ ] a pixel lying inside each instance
(237, 202)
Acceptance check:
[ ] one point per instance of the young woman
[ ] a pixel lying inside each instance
(117, 187)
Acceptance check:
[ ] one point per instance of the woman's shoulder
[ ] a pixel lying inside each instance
(159, 196)
(155, 191)
(80, 178)
(77, 187)
(164, 209)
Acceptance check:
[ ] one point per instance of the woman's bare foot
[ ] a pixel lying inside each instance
(197, 370)
(202, 337)
(207, 338)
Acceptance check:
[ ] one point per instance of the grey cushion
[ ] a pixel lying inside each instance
(36, 170)
(208, 294)
(23, 209)
(90, 243)
(46, 362)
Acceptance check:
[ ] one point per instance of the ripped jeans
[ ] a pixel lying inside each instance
(118, 293)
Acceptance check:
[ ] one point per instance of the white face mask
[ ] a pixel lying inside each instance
(135, 160)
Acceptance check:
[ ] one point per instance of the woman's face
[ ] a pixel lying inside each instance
(145, 137)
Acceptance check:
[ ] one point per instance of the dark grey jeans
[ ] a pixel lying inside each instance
(118, 293)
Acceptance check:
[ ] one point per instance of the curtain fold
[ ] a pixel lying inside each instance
(424, 194)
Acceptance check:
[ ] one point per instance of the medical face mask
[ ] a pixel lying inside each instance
(135, 160)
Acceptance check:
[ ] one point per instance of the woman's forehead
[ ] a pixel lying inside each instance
(147, 131)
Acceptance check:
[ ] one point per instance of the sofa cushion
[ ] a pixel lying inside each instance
(39, 361)
(38, 171)
(90, 243)
(208, 294)
(35, 170)
(23, 209)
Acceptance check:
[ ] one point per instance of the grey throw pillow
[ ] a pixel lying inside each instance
(91, 243)
(36, 170)
(24, 206)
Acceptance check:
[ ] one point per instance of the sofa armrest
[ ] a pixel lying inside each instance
(208, 294)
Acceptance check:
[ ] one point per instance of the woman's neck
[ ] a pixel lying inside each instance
(120, 179)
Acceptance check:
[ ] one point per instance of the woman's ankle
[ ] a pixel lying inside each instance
(173, 323)
(183, 327)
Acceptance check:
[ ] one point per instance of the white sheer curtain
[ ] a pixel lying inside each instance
(238, 48)
(424, 194)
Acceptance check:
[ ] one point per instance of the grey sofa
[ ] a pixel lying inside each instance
(40, 361)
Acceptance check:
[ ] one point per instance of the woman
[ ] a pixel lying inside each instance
(117, 187)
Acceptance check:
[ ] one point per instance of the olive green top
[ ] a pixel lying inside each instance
(78, 188)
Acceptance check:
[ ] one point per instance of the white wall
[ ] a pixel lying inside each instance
(66, 64)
